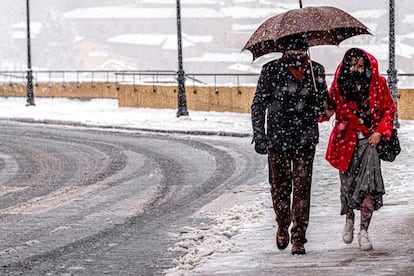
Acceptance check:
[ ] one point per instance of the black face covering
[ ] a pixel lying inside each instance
(295, 60)
(357, 76)
(354, 86)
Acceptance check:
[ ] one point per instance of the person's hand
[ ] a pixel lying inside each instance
(374, 139)
(326, 115)
(261, 145)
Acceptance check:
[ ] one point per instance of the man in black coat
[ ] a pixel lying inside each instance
(289, 99)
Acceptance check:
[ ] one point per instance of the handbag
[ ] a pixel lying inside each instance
(389, 149)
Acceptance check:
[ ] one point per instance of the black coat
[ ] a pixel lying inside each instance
(292, 108)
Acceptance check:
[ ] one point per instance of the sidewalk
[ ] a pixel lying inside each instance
(255, 252)
(106, 113)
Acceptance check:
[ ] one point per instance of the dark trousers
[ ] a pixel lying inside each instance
(287, 170)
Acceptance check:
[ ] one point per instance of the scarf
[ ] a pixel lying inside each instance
(297, 72)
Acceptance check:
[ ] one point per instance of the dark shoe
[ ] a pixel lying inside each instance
(298, 248)
(282, 238)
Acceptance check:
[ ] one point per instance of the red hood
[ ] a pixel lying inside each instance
(373, 63)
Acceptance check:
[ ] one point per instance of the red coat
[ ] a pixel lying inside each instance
(343, 137)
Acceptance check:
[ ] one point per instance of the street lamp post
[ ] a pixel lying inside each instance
(182, 101)
(392, 72)
(29, 87)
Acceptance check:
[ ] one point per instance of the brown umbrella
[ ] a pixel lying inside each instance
(320, 25)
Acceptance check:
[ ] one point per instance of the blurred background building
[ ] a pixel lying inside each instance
(141, 34)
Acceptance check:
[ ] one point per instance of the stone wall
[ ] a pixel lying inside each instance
(406, 104)
(231, 99)
(203, 98)
(65, 90)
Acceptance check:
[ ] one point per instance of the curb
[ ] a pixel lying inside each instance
(78, 124)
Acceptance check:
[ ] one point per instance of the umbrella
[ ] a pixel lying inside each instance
(321, 25)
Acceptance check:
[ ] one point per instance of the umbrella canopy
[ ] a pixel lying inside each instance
(319, 25)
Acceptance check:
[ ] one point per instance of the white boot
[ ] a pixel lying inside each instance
(348, 232)
(364, 241)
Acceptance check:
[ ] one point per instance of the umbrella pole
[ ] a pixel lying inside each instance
(313, 74)
(325, 103)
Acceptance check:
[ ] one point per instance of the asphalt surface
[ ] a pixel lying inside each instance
(76, 201)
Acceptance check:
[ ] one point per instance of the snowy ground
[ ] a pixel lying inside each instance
(241, 242)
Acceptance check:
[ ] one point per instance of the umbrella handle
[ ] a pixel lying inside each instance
(300, 3)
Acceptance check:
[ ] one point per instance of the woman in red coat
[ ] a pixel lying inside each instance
(364, 114)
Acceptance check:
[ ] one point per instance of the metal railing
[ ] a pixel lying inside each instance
(125, 76)
(158, 77)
